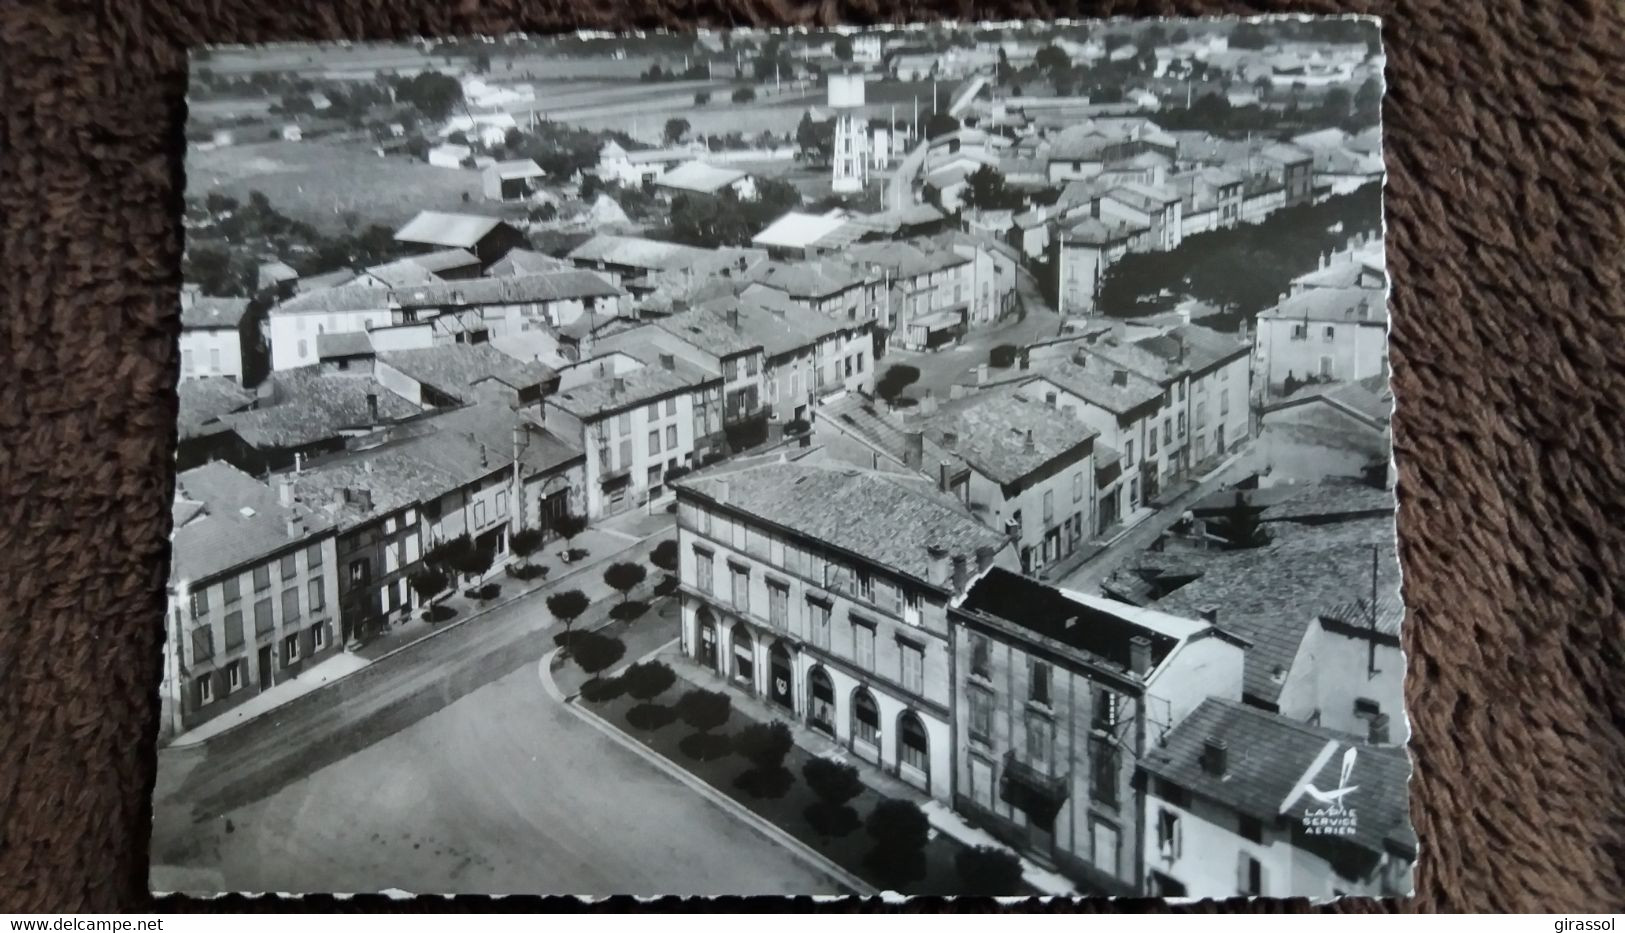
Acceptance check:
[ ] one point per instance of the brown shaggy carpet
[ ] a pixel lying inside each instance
(1506, 147)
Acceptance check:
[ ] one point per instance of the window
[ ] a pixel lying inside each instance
(200, 602)
(1103, 838)
(671, 406)
(750, 365)
(914, 746)
(653, 412)
(980, 660)
(288, 569)
(234, 630)
(234, 676)
(741, 587)
(318, 637)
(653, 479)
(1182, 391)
(1049, 506)
(913, 668)
(1224, 401)
(262, 578)
(202, 643)
(205, 689)
(1151, 445)
(1039, 685)
(313, 554)
(315, 597)
(360, 571)
(1040, 733)
(1169, 842)
(744, 655)
(1128, 450)
(1251, 829)
(264, 623)
(818, 624)
(1104, 770)
(1077, 486)
(1300, 332)
(231, 589)
(1329, 334)
(704, 573)
(654, 443)
(625, 451)
(623, 424)
(981, 716)
(778, 605)
(1105, 717)
(863, 644)
(304, 350)
(671, 437)
(479, 513)
(186, 357)
(730, 369)
(1249, 875)
(290, 604)
(1365, 708)
(865, 718)
(290, 648)
(1181, 424)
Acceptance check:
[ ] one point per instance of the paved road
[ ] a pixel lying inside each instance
(503, 791)
(1091, 573)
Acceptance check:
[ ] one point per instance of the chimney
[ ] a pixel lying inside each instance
(188, 296)
(1119, 377)
(296, 530)
(961, 573)
(1027, 443)
(484, 461)
(913, 449)
(981, 373)
(1379, 729)
(298, 463)
(937, 556)
(1210, 614)
(1026, 361)
(372, 406)
(364, 496)
(733, 318)
(984, 558)
(1215, 757)
(1080, 357)
(1139, 655)
(942, 476)
(950, 440)
(284, 492)
(668, 362)
(1119, 331)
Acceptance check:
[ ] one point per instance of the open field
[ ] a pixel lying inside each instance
(320, 183)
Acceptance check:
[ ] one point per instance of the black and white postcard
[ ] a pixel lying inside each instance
(945, 460)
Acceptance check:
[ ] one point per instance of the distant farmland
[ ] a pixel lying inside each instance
(321, 184)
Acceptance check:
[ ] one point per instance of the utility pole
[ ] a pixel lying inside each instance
(518, 483)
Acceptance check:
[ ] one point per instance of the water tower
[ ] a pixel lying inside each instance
(851, 160)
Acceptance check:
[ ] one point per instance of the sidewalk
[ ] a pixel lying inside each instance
(943, 820)
(614, 538)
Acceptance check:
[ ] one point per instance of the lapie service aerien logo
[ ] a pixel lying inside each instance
(1334, 816)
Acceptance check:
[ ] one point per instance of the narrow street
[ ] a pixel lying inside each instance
(1088, 576)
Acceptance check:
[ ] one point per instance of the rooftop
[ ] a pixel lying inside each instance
(855, 414)
(560, 285)
(637, 252)
(1009, 433)
(888, 519)
(1332, 305)
(699, 177)
(1094, 231)
(439, 228)
(201, 312)
(1271, 761)
(204, 400)
(1097, 385)
(799, 230)
(808, 278)
(521, 261)
(305, 405)
(349, 343)
(455, 368)
(612, 394)
(443, 259)
(225, 519)
(402, 273)
(1195, 349)
(515, 168)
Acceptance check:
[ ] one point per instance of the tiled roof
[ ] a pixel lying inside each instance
(1284, 153)
(1332, 305)
(560, 285)
(778, 330)
(204, 312)
(809, 278)
(798, 229)
(1269, 595)
(700, 177)
(456, 368)
(1331, 500)
(1271, 760)
(637, 252)
(1095, 384)
(515, 168)
(1144, 198)
(206, 399)
(1094, 231)
(909, 258)
(327, 280)
(439, 228)
(857, 415)
(1136, 359)
(592, 400)
(226, 519)
(1195, 349)
(886, 518)
(993, 430)
(305, 405)
(521, 261)
(1356, 613)
(710, 332)
(351, 343)
(402, 273)
(442, 259)
(1097, 628)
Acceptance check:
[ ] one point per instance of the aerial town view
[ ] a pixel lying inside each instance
(939, 460)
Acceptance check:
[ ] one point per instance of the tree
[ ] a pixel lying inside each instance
(895, 379)
(940, 124)
(900, 831)
(646, 680)
(624, 577)
(833, 782)
(567, 526)
(842, 49)
(988, 871)
(595, 652)
(744, 95)
(815, 139)
(428, 582)
(704, 709)
(701, 98)
(567, 606)
(474, 561)
(1051, 58)
(765, 745)
(527, 542)
(1239, 526)
(664, 556)
(435, 95)
(1368, 102)
(676, 129)
(987, 191)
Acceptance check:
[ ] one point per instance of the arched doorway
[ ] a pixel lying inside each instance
(913, 750)
(780, 678)
(743, 667)
(706, 650)
(821, 701)
(865, 719)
